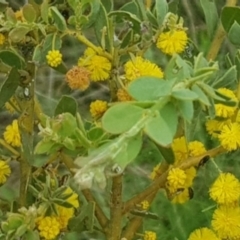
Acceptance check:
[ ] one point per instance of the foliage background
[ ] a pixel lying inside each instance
(175, 221)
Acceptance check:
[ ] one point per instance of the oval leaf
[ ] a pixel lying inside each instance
(121, 117)
(66, 104)
(12, 59)
(29, 13)
(186, 109)
(159, 131)
(9, 86)
(149, 88)
(228, 16)
(184, 94)
(58, 19)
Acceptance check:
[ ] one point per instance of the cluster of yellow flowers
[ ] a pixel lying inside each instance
(49, 227)
(12, 135)
(54, 58)
(179, 181)
(225, 191)
(226, 126)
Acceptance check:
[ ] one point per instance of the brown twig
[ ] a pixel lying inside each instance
(115, 228)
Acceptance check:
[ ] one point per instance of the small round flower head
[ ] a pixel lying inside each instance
(78, 78)
(64, 214)
(223, 110)
(12, 135)
(230, 136)
(149, 235)
(176, 179)
(98, 66)
(179, 146)
(225, 222)
(98, 108)
(140, 67)
(48, 228)
(195, 148)
(203, 234)
(173, 41)
(54, 58)
(2, 39)
(123, 95)
(225, 189)
(214, 127)
(145, 205)
(5, 171)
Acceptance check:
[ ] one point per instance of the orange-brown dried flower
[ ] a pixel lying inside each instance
(78, 78)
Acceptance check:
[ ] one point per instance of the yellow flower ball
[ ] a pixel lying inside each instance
(149, 235)
(225, 189)
(5, 171)
(140, 67)
(54, 58)
(98, 66)
(48, 227)
(225, 222)
(229, 137)
(145, 205)
(64, 215)
(203, 234)
(98, 108)
(176, 179)
(172, 42)
(179, 146)
(195, 148)
(12, 135)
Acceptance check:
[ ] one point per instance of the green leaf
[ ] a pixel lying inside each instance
(211, 15)
(30, 234)
(170, 115)
(159, 131)
(95, 134)
(12, 59)
(121, 117)
(234, 33)
(29, 13)
(66, 104)
(73, 3)
(71, 236)
(18, 34)
(228, 16)
(122, 15)
(184, 94)
(86, 215)
(131, 7)
(108, 4)
(173, 6)
(9, 86)
(227, 79)
(92, 9)
(130, 152)
(101, 27)
(152, 19)
(201, 95)
(59, 20)
(161, 7)
(44, 10)
(44, 146)
(186, 109)
(149, 88)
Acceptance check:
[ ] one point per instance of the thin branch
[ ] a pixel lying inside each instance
(219, 36)
(115, 226)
